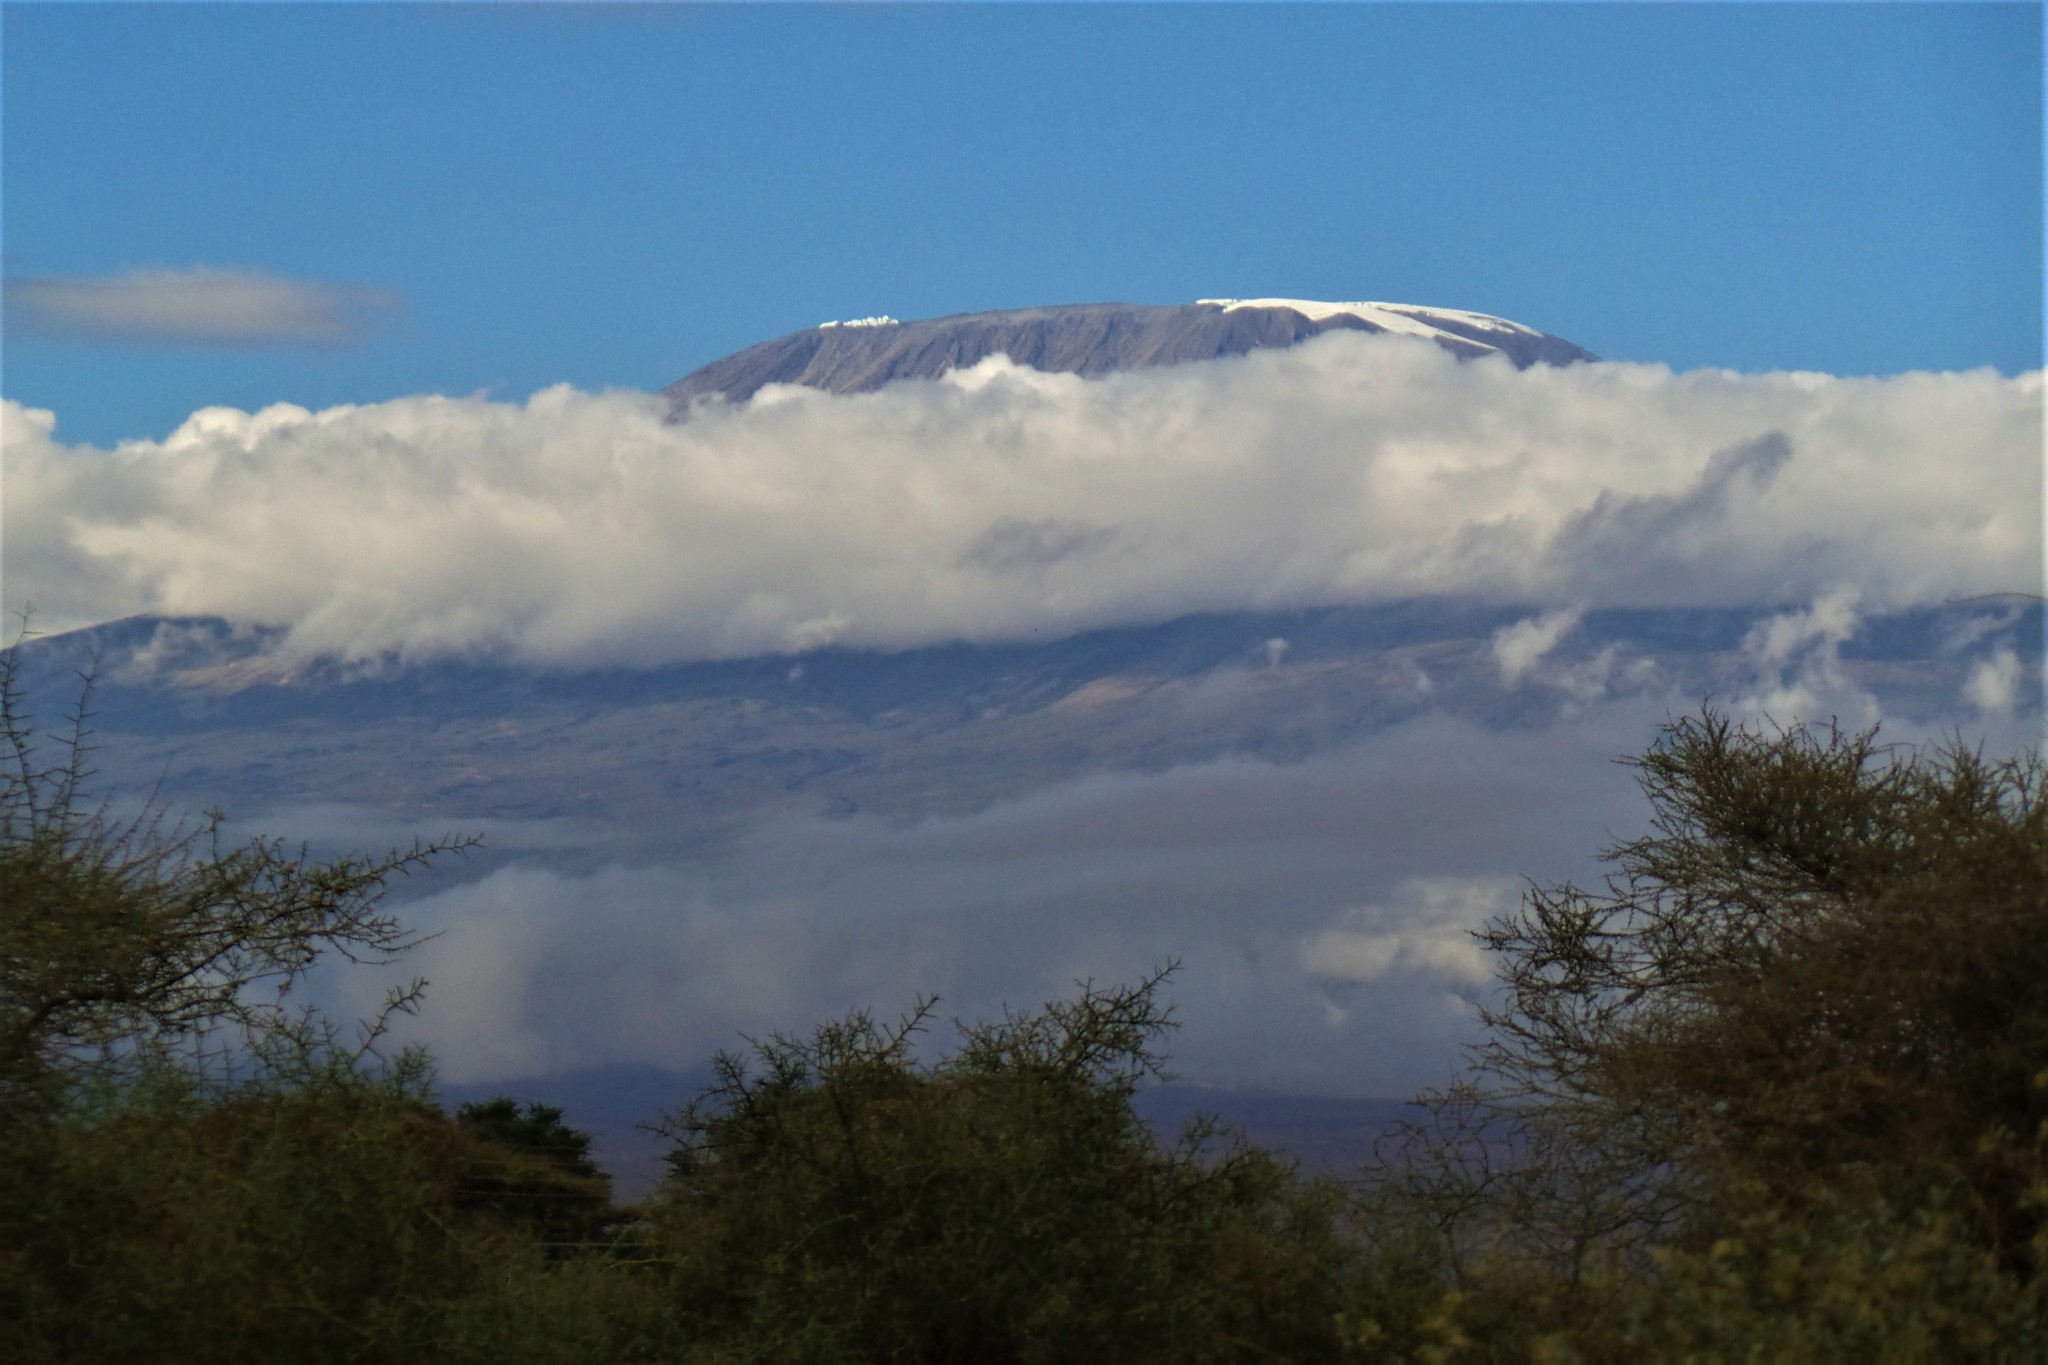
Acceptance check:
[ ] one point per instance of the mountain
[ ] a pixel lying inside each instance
(577, 769)
(1091, 339)
(1308, 805)
(996, 819)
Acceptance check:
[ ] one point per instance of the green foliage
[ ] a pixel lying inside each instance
(123, 940)
(535, 1169)
(836, 1198)
(1788, 1062)
(320, 1221)
(196, 1172)
(293, 1224)
(1851, 1273)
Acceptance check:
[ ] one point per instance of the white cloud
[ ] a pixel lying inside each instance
(1795, 668)
(200, 306)
(1994, 684)
(1001, 503)
(1425, 927)
(1527, 651)
(1521, 646)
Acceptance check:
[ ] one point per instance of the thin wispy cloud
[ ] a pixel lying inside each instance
(198, 306)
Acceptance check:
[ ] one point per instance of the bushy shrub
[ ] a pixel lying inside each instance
(836, 1198)
(1781, 1080)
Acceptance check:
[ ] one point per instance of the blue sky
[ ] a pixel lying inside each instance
(505, 198)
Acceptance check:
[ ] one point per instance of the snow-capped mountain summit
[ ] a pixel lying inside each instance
(1092, 339)
(1435, 324)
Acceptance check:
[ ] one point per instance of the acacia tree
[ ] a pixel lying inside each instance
(543, 1176)
(1814, 994)
(121, 939)
(1825, 953)
(195, 1171)
(837, 1197)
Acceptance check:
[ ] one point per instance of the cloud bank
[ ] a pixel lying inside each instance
(200, 306)
(1001, 503)
(1319, 909)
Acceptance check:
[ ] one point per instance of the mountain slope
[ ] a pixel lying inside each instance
(1091, 339)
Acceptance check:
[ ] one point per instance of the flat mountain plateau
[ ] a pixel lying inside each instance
(1089, 339)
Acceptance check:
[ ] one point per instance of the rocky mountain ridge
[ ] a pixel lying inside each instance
(1090, 339)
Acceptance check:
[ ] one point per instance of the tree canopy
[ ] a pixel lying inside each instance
(834, 1197)
(123, 938)
(1806, 1016)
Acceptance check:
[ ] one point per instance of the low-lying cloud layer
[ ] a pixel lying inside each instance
(199, 306)
(1320, 911)
(1001, 503)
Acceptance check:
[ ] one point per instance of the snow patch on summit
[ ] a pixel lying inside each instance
(1406, 319)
